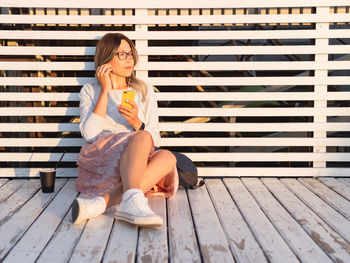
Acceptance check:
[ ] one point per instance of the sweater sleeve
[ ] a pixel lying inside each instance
(151, 116)
(91, 124)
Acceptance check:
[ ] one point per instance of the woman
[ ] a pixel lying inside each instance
(118, 163)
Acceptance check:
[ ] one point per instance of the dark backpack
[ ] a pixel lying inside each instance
(187, 171)
(188, 174)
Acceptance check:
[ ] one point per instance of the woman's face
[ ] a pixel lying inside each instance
(123, 68)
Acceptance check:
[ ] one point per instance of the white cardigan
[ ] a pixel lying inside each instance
(92, 125)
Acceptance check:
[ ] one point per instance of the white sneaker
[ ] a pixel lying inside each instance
(84, 208)
(136, 210)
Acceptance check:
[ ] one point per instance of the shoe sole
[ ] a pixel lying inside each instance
(140, 221)
(75, 212)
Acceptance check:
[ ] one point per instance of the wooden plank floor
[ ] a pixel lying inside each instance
(227, 220)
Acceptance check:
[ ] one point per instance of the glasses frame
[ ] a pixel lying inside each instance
(127, 55)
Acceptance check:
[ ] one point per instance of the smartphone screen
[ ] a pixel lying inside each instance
(129, 95)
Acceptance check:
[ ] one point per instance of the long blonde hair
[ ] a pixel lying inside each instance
(105, 51)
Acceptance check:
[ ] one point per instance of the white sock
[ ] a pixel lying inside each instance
(102, 201)
(130, 192)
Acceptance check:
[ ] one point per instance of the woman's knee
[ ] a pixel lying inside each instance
(171, 159)
(144, 136)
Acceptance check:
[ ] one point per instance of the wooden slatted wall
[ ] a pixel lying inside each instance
(254, 88)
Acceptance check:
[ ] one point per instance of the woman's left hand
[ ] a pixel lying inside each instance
(131, 115)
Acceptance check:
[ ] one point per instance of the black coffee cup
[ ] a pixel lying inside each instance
(47, 179)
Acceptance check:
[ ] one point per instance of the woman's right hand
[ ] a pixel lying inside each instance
(102, 75)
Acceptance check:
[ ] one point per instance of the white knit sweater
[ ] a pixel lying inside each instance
(92, 125)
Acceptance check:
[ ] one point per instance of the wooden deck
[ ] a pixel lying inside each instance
(242, 220)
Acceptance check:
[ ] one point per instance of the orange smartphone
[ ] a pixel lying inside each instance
(128, 95)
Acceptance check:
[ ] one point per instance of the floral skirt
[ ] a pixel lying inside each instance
(99, 167)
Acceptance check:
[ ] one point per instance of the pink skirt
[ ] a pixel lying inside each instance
(99, 167)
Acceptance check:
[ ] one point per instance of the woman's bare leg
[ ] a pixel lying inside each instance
(136, 171)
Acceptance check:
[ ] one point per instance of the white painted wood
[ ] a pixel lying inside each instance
(226, 141)
(322, 209)
(269, 239)
(152, 243)
(27, 96)
(212, 240)
(338, 202)
(345, 181)
(330, 242)
(205, 157)
(182, 81)
(93, 240)
(180, 50)
(13, 229)
(206, 172)
(183, 245)
(178, 35)
(9, 188)
(169, 4)
(70, 111)
(294, 235)
(177, 19)
(33, 242)
(122, 243)
(18, 198)
(45, 142)
(63, 241)
(187, 96)
(2, 182)
(173, 66)
(337, 186)
(242, 242)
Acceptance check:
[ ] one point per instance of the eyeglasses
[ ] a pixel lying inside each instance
(124, 55)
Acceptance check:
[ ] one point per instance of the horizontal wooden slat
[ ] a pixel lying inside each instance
(206, 172)
(225, 141)
(183, 81)
(173, 66)
(259, 112)
(41, 142)
(199, 157)
(178, 35)
(180, 50)
(169, 4)
(189, 96)
(188, 19)
(180, 126)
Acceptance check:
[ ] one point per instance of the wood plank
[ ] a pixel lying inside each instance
(338, 222)
(10, 187)
(15, 201)
(329, 240)
(345, 181)
(212, 240)
(61, 245)
(35, 239)
(269, 239)
(338, 202)
(13, 229)
(152, 242)
(336, 186)
(93, 240)
(3, 181)
(183, 245)
(242, 242)
(122, 243)
(294, 235)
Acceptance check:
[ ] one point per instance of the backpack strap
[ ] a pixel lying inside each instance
(201, 183)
